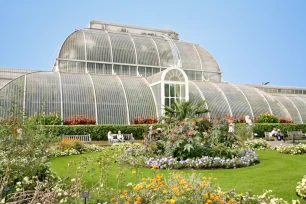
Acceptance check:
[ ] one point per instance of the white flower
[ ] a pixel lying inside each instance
(73, 180)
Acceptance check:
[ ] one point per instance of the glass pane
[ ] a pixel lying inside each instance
(117, 69)
(63, 66)
(167, 101)
(172, 87)
(155, 70)
(167, 90)
(172, 101)
(99, 69)
(133, 71)
(142, 71)
(198, 75)
(183, 94)
(178, 91)
(125, 70)
(148, 71)
(91, 67)
(107, 69)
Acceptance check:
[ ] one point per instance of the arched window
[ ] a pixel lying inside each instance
(175, 86)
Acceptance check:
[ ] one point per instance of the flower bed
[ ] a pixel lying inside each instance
(250, 158)
(54, 151)
(293, 149)
(257, 144)
(301, 188)
(179, 188)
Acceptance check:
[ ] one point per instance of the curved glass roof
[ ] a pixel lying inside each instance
(89, 45)
(117, 99)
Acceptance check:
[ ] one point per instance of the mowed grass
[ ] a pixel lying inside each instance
(277, 172)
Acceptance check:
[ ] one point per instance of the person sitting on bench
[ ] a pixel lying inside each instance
(120, 136)
(273, 133)
(279, 135)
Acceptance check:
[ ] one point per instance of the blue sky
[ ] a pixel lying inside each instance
(252, 41)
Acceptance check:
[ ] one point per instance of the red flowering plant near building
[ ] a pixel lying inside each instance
(80, 120)
(144, 120)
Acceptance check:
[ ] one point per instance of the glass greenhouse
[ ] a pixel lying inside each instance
(116, 72)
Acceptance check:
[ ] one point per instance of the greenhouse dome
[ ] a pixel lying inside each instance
(115, 72)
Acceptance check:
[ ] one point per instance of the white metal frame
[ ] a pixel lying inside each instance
(202, 96)
(94, 92)
(245, 98)
(219, 89)
(126, 102)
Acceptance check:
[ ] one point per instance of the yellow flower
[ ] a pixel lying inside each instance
(125, 192)
(143, 179)
(240, 194)
(155, 167)
(172, 200)
(127, 202)
(165, 191)
(112, 199)
(204, 178)
(215, 179)
(121, 196)
(220, 194)
(182, 182)
(134, 172)
(138, 199)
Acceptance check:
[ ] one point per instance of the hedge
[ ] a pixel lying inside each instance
(260, 128)
(97, 132)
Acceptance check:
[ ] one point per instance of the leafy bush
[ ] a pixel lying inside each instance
(267, 118)
(197, 150)
(204, 124)
(183, 140)
(25, 155)
(43, 119)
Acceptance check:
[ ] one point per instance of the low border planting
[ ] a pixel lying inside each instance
(250, 158)
(292, 149)
(301, 188)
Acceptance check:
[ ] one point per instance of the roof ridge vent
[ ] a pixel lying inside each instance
(116, 27)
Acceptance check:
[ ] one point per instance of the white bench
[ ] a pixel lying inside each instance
(82, 138)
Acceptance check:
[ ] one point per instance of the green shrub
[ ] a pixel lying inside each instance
(267, 118)
(260, 128)
(97, 132)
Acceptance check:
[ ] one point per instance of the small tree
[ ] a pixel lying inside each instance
(267, 118)
(182, 110)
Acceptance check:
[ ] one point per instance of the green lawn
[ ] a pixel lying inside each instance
(277, 172)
